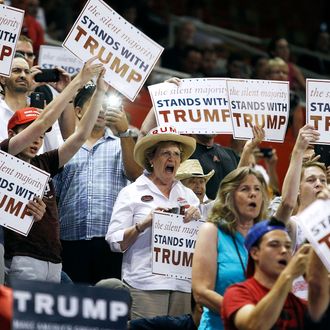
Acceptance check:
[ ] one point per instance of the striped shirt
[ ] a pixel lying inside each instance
(88, 187)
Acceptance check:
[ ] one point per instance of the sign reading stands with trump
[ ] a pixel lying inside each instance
(262, 103)
(173, 245)
(318, 107)
(315, 223)
(127, 54)
(51, 57)
(19, 183)
(42, 305)
(197, 106)
(11, 20)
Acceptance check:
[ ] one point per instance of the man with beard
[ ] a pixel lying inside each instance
(16, 89)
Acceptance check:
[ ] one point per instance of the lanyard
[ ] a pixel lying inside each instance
(239, 255)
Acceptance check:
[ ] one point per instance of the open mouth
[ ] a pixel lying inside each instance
(169, 169)
(283, 262)
(253, 204)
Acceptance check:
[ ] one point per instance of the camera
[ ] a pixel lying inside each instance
(37, 100)
(113, 103)
(267, 152)
(47, 75)
(174, 210)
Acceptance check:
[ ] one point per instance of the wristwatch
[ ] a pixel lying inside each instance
(127, 133)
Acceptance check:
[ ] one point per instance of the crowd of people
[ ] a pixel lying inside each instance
(252, 267)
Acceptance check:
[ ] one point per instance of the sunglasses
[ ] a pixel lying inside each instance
(26, 54)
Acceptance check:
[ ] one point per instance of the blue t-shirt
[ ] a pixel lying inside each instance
(229, 271)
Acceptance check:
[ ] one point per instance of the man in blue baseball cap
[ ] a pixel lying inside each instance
(264, 300)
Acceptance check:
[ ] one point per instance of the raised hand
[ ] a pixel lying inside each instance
(258, 136)
(63, 81)
(174, 80)
(118, 119)
(101, 85)
(307, 135)
(298, 264)
(89, 70)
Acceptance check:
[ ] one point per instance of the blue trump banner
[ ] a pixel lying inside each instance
(42, 305)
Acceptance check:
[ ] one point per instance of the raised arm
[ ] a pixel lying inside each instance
(290, 188)
(204, 268)
(53, 110)
(318, 288)
(119, 120)
(271, 164)
(258, 136)
(68, 149)
(67, 120)
(150, 120)
(148, 123)
(318, 278)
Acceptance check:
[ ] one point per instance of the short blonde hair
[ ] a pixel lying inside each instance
(274, 62)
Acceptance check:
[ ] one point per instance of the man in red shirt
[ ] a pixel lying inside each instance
(265, 301)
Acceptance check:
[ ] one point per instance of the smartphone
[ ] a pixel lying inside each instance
(37, 100)
(174, 210)
(267, 152)
(47, 75)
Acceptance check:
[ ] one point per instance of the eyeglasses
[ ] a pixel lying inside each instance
(169, 154)
(26, 54)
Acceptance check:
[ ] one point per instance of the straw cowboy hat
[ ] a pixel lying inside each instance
(159, 134)
(192, 168)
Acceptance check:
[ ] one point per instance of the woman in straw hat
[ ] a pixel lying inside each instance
(160, 153)
(241, 201)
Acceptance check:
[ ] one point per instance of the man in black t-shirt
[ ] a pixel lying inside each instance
(213, 156)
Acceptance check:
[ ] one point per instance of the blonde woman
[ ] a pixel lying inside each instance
(241, 202)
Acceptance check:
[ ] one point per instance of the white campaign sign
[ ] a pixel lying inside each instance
(127, 54)
(173, 245)
(197, 106)
(19, 183)
(264, 103)
(318, 107)
(52, 56)
(315, 224)
(11, 20)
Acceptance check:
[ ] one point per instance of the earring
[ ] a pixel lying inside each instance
(151, 165)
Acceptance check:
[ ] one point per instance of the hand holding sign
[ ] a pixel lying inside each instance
(307, 135)
(251, 145)
(192, 213)
(37, 208)
(89, 71)
(101, 85)
(174, 80)
(258, 136)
